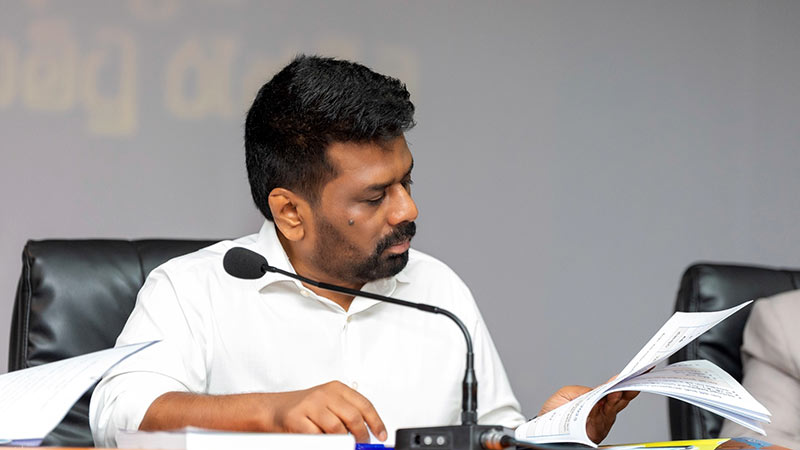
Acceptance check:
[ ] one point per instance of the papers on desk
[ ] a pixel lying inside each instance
(697, 444)
(700, 383)
(36, 399)
(741, 443)
(191, 438)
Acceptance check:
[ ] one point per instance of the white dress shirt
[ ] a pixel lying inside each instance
(223, 335)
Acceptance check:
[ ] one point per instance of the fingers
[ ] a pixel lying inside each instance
(617, 401)
(629, 395)
(601, 418)
(329, 421)
(307, 426)
(347, 418)
(336, 408)
(569, 393)
(563, 396)
(366, 413)
(603, 414)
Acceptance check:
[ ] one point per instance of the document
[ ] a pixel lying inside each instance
(696, 444)
(700, 383)
(35, 400)
(191, 438)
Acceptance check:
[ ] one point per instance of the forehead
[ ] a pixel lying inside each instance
(360, 165)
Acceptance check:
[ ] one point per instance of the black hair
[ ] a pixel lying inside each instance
(308, 105)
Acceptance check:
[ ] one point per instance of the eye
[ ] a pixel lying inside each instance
(407, 183)
(376, 201)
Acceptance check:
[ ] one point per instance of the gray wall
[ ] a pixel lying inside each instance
(572, 158)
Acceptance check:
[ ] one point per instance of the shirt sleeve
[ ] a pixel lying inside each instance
(163, 312)
(497, 404)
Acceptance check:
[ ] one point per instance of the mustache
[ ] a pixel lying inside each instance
(403, 232)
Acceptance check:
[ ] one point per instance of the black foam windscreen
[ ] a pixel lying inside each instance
(243, 263)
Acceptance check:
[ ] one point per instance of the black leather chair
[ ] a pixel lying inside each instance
(712, 287)
(74, 297)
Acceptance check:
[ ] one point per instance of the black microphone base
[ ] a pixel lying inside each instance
(456, 437)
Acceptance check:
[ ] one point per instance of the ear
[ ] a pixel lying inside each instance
(287, 212)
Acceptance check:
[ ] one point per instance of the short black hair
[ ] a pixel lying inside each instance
(310, 104)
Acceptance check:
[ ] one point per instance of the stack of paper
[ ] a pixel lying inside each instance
(200, 439)
(699, 383)
(35, 400)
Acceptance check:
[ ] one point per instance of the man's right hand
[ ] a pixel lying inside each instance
(328, 408)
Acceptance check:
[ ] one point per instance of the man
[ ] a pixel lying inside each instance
(330, 169)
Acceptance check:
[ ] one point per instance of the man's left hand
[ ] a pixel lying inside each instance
(602, 416)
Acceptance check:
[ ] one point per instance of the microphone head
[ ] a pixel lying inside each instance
(243, 263)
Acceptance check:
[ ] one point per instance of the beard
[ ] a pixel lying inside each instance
(336, 256)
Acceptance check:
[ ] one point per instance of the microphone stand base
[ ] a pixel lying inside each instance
(455, 437)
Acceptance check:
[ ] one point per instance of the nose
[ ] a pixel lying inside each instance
(404, 209)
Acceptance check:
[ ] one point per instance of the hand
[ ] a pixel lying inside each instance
(603, 414)
(328, 408)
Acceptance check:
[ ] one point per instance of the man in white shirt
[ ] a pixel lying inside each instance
(330, 170)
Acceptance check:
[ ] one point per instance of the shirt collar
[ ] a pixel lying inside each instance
(268, 245)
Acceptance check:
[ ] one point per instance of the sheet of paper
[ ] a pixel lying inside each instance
(35, 400)
(679, 330)
(702, 381)
(567, 423)
(736, 418)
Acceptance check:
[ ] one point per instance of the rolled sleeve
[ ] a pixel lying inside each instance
(167, 311)
(115, 406)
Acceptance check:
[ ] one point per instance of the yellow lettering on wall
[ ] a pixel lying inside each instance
(111, 114)
(8, 70)
(198, 79)
(48, 72)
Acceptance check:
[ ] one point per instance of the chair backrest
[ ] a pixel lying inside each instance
(74, 297)
(712, 287)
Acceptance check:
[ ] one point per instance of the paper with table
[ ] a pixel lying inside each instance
(700, 383)
(36, 399)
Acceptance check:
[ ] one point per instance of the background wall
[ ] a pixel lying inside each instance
(572, 157)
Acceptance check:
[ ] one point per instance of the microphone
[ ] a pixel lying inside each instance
(246, 264)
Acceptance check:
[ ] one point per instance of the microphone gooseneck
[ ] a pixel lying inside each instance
(247, 264)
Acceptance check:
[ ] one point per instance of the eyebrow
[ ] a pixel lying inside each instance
(382, 186)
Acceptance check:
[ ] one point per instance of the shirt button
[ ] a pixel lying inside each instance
(349, 318)
(354, 385)
(305, 293)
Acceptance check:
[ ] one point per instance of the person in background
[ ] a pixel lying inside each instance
(771, 365)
